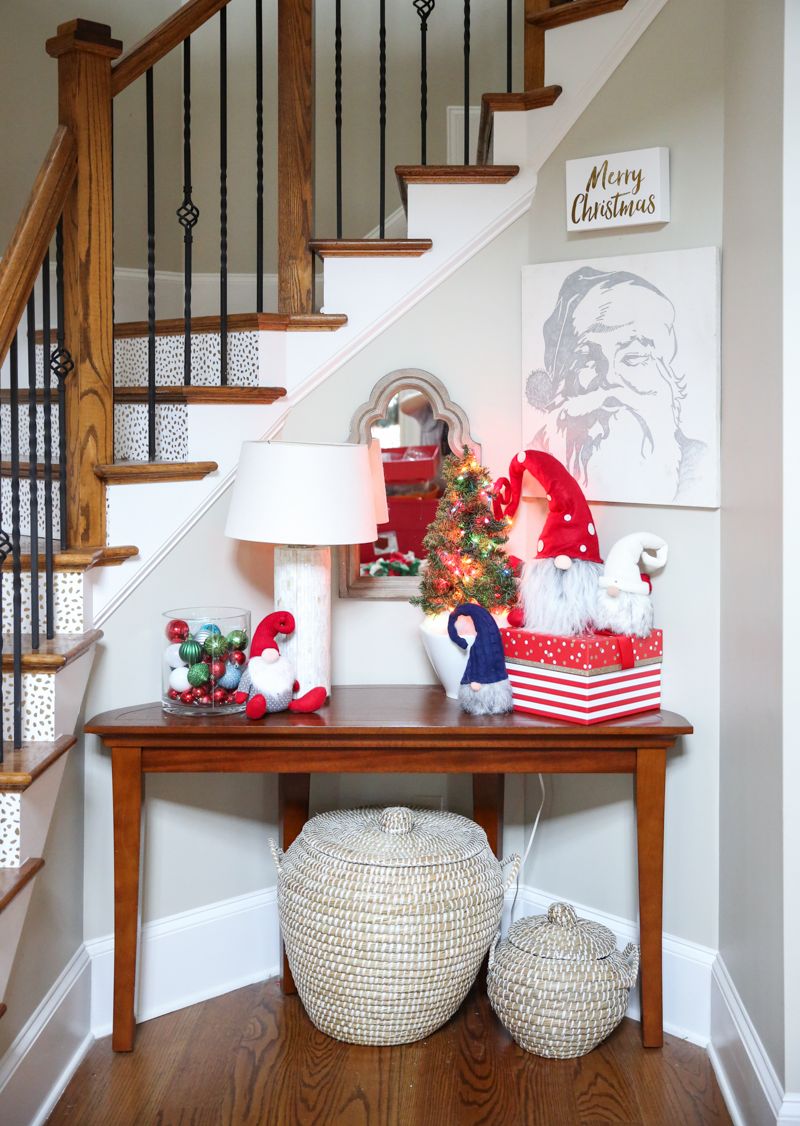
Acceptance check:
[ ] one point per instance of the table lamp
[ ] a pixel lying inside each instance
(304, 499)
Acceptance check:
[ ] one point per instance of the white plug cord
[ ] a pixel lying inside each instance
(528, 848)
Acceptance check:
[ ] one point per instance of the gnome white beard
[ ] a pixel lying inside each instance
(626, 613)
(561, 602)
(272, 678)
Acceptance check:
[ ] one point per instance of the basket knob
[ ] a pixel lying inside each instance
(562, 914)
(397, 819)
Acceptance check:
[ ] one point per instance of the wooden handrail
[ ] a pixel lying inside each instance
(161, 40)
(23, 257)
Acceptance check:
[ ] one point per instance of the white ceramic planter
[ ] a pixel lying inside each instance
(448, 659)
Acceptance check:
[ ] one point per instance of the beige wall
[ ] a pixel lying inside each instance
(208, 835)
(751, 841)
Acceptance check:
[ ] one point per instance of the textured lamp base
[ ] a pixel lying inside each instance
(303, 587)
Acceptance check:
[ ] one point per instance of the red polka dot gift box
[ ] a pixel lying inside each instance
(593, 678)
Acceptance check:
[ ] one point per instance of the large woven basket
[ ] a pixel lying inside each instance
(559, 984)
(386, 917)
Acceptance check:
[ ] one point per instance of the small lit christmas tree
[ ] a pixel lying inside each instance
(464, 544)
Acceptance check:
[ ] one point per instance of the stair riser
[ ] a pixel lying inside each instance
(51, 702)
(131, 360)
(68, 601)
(10, 830)
(24, 507)
(25, 817)
(24, 446)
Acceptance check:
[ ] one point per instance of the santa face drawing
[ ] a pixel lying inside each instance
(609, 383)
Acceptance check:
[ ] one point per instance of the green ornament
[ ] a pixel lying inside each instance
(198, 674)
(237, 639)
(215, 645)
(190, 651)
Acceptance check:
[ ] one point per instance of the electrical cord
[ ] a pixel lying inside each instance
(528, 848)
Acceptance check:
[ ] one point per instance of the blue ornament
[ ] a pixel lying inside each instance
(231, 677)
(205, 630)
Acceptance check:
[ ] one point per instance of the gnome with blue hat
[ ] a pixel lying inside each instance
(485, 688)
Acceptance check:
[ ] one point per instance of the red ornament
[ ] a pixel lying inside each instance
(219, 696)
(177, 630)
(197, 692)
(173, 694)
(217, 668)
(237, 657)
(187, 697)
(206, 658)
(204, 700)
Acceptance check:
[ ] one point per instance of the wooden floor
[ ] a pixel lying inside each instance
(253, 1057)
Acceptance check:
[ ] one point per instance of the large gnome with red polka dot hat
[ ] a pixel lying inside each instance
(559, 587)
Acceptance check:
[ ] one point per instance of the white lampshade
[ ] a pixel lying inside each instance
(298, 493)
(378, 481)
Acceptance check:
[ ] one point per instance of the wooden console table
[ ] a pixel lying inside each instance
(382, 730)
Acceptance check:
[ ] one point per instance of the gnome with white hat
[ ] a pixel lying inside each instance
(624, 604)
(559, 587)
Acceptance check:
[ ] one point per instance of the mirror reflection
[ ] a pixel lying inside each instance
(413, 444)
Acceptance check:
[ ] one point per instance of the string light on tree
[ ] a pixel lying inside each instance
(464, 544)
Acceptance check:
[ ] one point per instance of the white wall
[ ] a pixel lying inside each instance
(751, 842)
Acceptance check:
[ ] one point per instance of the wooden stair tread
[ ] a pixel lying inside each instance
(21, 766)
(370, 247)
(13, 880)
(2, 1010)
(572, 11)
(52, 654)
(138, 472)
(452, 174)
(25, 469)
(74, 558)
(509, 103)
(238, 322)
(195, 394)
(23, 395)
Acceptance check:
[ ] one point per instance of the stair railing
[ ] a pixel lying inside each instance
(29, 372)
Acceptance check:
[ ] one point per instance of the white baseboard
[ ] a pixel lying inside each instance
(687, 966)
(189, 957)
(42, 1059)
(748, 1081)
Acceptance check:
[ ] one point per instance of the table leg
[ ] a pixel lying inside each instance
(488, 791)
(293, 796)
(127, 783)
(650, 778)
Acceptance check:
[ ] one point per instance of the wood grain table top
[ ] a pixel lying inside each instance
(380, 712)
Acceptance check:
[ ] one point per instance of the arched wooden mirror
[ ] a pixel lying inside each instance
(417, 425)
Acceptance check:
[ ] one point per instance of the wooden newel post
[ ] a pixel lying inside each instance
(84, 51)
(295, 155)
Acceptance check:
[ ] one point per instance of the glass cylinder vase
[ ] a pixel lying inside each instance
(203, 659)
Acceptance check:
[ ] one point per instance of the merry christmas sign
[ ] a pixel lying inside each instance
(622, 189)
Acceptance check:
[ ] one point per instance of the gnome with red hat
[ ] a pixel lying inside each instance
(559, 587)
(268, 683)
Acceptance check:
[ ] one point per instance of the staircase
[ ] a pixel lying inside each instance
(135, 437)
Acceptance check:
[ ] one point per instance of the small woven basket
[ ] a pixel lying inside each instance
(559, 984)
(386, 917)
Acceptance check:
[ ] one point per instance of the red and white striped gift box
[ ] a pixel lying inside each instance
(589, 679)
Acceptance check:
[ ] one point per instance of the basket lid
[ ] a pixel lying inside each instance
(561, 935)
(394, 837)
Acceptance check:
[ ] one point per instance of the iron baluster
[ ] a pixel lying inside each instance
(5, 551)
(33, 476)
(47, 443)
(16, 545)
(61, 364)
(151, 267)
(382, 115)
(187, 213)
(259, 157)
(337, 90)
(466, 78)
(509, 42)
(223, 196)
(424, 9)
